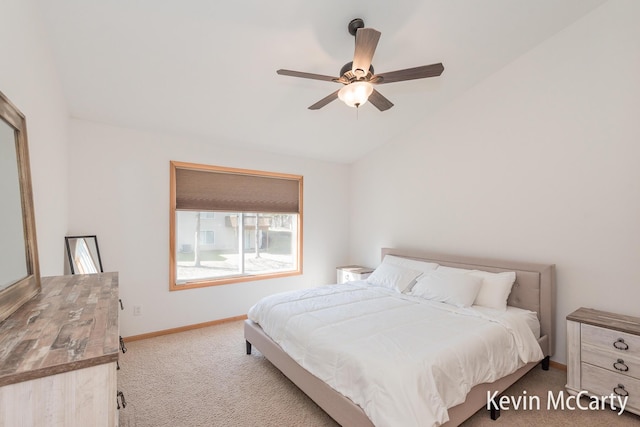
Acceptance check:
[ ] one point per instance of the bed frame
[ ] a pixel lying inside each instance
(534, 290)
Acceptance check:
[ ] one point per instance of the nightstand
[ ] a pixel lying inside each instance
(349, 273)
(603, 355)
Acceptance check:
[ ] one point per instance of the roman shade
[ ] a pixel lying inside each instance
(233, 190)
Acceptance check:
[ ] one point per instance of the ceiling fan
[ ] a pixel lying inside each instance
(358, 76)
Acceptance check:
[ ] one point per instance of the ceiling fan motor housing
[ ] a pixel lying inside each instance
(348, 74)
(354, 24)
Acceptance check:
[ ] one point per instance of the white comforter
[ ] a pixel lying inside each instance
(403, 359)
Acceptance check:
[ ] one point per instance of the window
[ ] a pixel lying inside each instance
(206, 237)
(233, 225)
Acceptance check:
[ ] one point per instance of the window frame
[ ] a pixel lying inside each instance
(173, 286)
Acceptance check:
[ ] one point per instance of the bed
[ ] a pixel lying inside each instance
(533, 290)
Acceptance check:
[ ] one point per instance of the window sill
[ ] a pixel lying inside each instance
(231, 280)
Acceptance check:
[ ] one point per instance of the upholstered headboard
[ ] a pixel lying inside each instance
(534, 288)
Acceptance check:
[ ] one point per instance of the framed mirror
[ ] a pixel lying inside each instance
(19, 268)
(83, 254)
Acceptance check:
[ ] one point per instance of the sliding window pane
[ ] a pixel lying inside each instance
(206, 246)
(270, 242)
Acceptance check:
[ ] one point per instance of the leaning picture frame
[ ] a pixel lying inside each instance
(83, 254)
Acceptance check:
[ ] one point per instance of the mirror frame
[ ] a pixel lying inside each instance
(72, 264)
(21, 291)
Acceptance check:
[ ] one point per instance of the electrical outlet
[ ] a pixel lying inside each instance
(137, 310)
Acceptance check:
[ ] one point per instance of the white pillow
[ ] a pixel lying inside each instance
(412, 264)
(454, 288)
(393, 277)
(495, 289)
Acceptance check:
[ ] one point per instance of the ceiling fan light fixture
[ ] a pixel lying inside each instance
(355, 94)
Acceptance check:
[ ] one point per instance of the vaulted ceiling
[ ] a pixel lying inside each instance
(207, 69)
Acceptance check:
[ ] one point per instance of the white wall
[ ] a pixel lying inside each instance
(119, 190)
(28, 77)
(537, 163)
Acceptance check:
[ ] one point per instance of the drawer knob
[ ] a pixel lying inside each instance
(620, 344)
(620, 366)
(620, 391)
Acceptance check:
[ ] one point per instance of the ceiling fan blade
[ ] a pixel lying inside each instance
(379, 101)
(432, 70)
(366, 43)
(306, 75)
(324, 101)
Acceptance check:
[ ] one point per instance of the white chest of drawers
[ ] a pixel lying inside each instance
(603, 355)
(348, 273)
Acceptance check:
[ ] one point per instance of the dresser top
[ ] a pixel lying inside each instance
(71, 324)
(618, 322)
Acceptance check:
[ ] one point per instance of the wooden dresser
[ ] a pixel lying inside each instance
(603, 355)
(58, 355)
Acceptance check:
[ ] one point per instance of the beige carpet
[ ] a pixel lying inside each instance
(204, 378)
